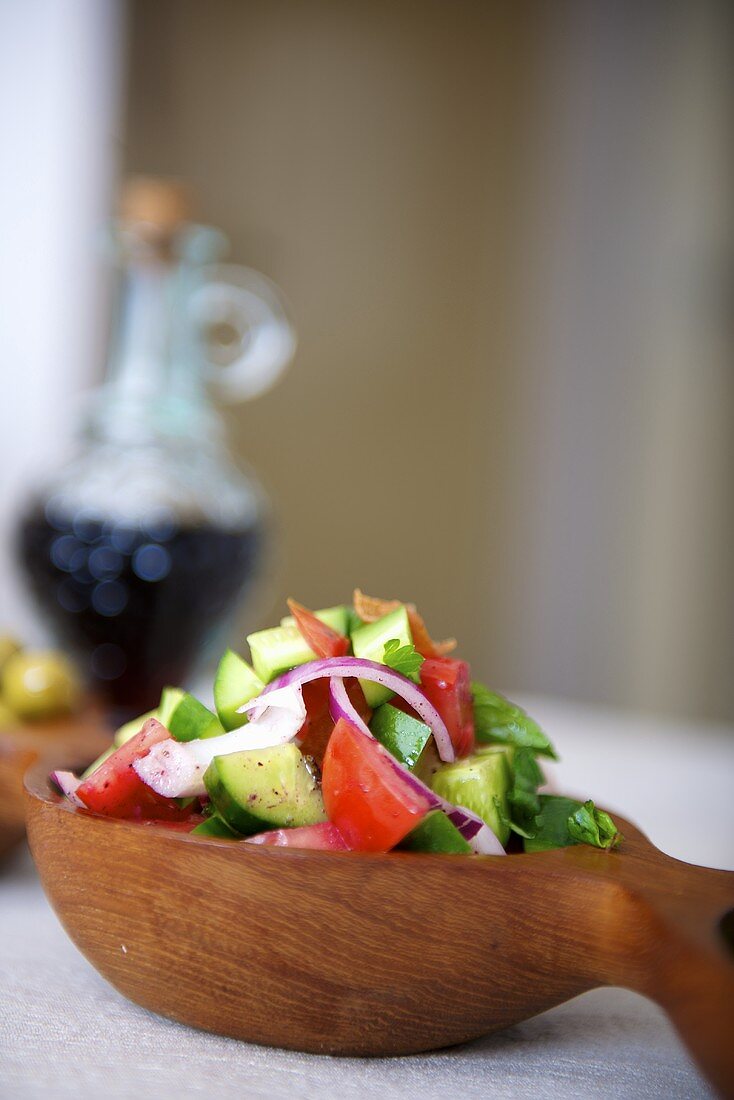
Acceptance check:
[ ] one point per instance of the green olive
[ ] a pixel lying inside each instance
(8, 646)
(38, 683)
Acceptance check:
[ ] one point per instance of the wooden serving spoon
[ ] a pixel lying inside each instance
(362, 954)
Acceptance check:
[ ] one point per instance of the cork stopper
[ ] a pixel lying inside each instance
(155, 205)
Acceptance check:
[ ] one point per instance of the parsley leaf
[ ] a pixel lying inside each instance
(496, 719)
(587, 825)
(403, 658)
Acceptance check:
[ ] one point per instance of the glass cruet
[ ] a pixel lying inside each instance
(141, 549)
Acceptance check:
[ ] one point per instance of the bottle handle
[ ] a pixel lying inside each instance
(246, 339)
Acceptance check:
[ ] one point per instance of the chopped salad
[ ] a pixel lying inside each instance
(350, 728)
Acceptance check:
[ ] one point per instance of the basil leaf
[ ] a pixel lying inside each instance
(523, 797)
(565, 821)
(496, 719)
(587, 825)
(506, 821)
(551, 824)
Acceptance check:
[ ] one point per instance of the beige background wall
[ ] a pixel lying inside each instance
(356, 153)
(500, 226)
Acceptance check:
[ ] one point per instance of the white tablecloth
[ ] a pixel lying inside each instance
(65, 1033)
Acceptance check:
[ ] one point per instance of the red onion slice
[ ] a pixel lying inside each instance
(474, 830)
(176, 768)
(341, 706)
(67, 783)
(364, 670)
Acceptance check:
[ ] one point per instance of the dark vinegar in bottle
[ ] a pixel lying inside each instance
(142, 546)
(136, 605)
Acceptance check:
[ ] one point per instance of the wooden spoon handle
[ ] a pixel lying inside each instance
(690, 970)
(697, 992)
(670, 945)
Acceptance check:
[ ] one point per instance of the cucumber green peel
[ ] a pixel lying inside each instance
(235, 684)
(191, 720)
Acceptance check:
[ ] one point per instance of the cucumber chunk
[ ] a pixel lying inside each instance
(170, 698)
(368, 641)
(481, 783)
(353, 621)
(278, 649)
(191, 720)
(263, 789)
(215, 826)
(234, 684)
(436, 834)
(282, 647)
(405, 737)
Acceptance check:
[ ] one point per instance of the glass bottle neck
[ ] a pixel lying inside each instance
(153, 390)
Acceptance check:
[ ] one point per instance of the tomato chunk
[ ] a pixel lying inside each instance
(366, 797)
(319, 637)
(116, 789)
(315, 732)
(447, 683)
(324, 837)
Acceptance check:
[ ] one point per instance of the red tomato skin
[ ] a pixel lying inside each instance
(315, 732)
(324, 837)
(319, 637)
(116, 790)
(370, 803)
(447, 683)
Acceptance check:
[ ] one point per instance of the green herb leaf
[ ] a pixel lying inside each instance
(506, 821)
(587, 825)
(523, 797)
(551, 824)
(498, 720)
(403, 658)
(564, 821)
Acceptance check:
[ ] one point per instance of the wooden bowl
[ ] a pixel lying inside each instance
(82, 736)
(362, 954)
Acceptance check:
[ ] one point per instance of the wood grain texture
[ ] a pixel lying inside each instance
(81, 736)
(349, 953)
